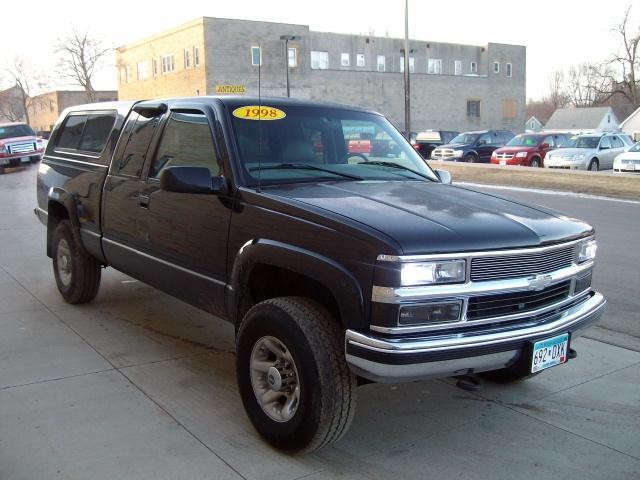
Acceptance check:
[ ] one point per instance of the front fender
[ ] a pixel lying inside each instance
(334, 276)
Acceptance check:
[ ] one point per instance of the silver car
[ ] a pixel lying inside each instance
(587, 152)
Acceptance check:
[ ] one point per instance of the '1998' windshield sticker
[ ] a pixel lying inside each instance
(255, 112)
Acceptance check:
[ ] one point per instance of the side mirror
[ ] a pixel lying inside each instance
(444, 176)
(481, 142)
(191, 180)
(604, 147)
(545, 146)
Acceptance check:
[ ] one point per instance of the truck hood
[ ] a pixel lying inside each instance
(428, 217)
(456, 146)
(6, 141)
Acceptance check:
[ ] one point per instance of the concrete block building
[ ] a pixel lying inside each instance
(453, 87)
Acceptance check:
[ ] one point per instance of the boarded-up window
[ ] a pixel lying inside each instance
(509, 109)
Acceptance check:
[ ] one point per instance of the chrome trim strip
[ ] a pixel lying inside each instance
(565, 321)
(81, 162)
(164, 262)
(487, 253)
(429, 292)
(484, 321)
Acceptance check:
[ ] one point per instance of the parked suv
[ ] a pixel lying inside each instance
(472, 146)
(334, 267)
(527, 149)
(18, 145)
(427, 140)
(588, 152)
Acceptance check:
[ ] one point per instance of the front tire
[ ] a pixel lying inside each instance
(535, 162)
(594, 166)
(77, 273)
(470, 158)
(294, 381)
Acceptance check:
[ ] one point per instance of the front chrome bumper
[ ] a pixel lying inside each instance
(388, 359)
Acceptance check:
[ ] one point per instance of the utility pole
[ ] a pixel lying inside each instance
(286, 39)
(407, 87)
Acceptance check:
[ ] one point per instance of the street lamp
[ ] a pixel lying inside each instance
(407, 89)
(286, 39)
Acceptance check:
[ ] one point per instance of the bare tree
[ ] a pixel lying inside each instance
(557, 95)
(587, 83)
(25, 80)
(80, 57)
(11, 107)
(628, 61)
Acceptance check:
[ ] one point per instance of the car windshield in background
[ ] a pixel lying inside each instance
(524, 141)
(11, 131)
(294, 144)
(465, 138)
(635, 148)
(581, 142)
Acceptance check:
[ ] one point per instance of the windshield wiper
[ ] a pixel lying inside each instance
(397, 165)
(303, 166)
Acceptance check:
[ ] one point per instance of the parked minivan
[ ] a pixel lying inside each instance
(528, 149)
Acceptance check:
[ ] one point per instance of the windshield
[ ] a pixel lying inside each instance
(11, 131)
(314, 143)
(466, 138)
(581, 142)
(635, 148)
(524, 141)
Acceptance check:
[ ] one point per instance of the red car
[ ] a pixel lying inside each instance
(528, 149)
(18, 145)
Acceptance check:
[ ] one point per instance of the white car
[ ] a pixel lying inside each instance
(628, 161)
(587, 152)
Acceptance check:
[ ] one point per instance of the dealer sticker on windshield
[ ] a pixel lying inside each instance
(259, 112)
(550, 352)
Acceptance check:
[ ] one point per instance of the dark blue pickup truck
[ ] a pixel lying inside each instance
(335, 267)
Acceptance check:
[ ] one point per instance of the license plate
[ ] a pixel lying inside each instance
(25, 160)
(549, 353)
(503, 162)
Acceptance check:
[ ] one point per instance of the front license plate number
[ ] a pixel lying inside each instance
(550, 352)
(25, 160)
(503, 162)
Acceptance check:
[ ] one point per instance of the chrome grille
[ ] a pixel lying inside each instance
(504, 156)
(498, 305)
(21, 147)
(442, 153)
(514, 266)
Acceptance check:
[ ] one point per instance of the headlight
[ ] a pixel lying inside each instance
(587, 251)
(3, 149)
(441, 312)
(494, 154)
(579, 156)
(428, 273)
(39, 144)
(521, 154)
(458, 153)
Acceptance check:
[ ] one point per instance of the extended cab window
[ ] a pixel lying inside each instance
(134, 144)
(87, 132)
(186, 141)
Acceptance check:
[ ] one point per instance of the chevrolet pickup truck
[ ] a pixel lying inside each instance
(337, 268)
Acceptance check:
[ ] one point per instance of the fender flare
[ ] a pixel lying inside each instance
(66, 200)
(339, 281)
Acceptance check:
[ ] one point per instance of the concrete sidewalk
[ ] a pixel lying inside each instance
(138, 385)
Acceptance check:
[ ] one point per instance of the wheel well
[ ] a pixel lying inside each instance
(56, 212)
(266, 281)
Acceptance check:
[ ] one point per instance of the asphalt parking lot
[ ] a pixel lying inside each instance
(138, 385)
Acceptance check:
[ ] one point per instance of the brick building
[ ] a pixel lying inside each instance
(454, 87)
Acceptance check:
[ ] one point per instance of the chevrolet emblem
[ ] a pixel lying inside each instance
(540, 282)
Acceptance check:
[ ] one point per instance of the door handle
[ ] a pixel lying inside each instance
(143, 201)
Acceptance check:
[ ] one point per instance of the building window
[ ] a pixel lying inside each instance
(381, 67)
(496, 67)
(167, 63)
(196, 56)
(345, 60)
(256, 56)
(533, 126)
(155, 67)
(474, 67)
(509, 109)
(142, 70)
(458, 67)
(187, 58)
(508, 70)
(473, 108)
(292, 57)
(412, 65)
(360, 59)
(319, 60)
(434, 66)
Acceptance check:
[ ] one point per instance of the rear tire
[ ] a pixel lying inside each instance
(594, 166)
(77, 273)
(292, 375)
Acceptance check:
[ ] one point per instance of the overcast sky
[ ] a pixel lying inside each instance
(556, 33)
